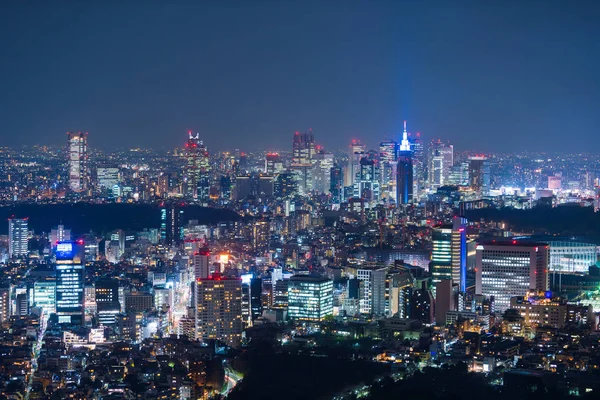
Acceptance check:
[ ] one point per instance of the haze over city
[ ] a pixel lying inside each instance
(486, 76)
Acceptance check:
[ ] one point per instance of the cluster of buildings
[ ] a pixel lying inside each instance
(352, 244)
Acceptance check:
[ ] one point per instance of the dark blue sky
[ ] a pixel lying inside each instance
(485, 75)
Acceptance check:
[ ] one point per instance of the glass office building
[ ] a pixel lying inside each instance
(310, 298)
(70, 264)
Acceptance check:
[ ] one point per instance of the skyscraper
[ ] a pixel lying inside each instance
(107, 301)
(479, 175)
(366, 185)
(310, 298)
(336, 184)
(356, 151)
(404, 176)
(59, 234)
(441, 160)
(78, 160)
(196, 170)
(70, 264)
(323, 162)
(419, 165)
(18, 233)
(219, 309)
(171, 225)
(459, 253)
(508, 269)
(273, 163)
(441, 255)
(303, 151)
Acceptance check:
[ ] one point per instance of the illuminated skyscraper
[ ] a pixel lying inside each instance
(196, 170)
(366, 185)
(479, 175)
(388, 156)
(404, 176)
(419, 165)
(336, 182)
(509, 269)
(323, 162)
(310, 298)
(78, 160)
(18, 233)
(219, 309)
(441, 160)
(356, 151)
(70, 263)
(459, 253)
(441, 255)
(303, 152)
(273, 163)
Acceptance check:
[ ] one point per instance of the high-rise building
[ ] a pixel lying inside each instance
(171, 225)
(323, 162)
(44, 295)
(273, 163)
(59, 234)
(310, 298)
(479, 175)
(303, 152)
(459, 253)
(366, 184)
(419, 165)
(404, 175)
(18, 233)
(441, 160)
(285, 186)
(5, 301)
(107, 301)
(441, 255)
(508, 269)
(336, 184)
(219, 309)
(108, 177)
(201, 264)
(197, 168)
(388, 156)
(70, 264)
(78, 161)
(356, 151)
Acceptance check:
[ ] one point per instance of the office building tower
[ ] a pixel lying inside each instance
(256, 305)
(5, 301)
(273, 163)
(107, 301)
(78, 161)
(201, 264)
(70, 275)
(356, 151)
(21, 302)
(225, 188)
(44, 295)
(445, 295)
(388, 156)
(479, 175)
(280, 294)
(459, 253)
(401, 286)
(336, 184)
(59, 234)
(441, 160)
(172, 225)
(18, 234)
(310, 298)
(285, 186)
(419, 165)
(404, 175)
(441, 254)
(219, 309)
(508, 269)
(366, 184)
(323, 162)
(303, 152)
(197, 168)
(107, 177)
(372, 290)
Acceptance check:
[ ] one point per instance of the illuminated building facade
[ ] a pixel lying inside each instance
(107, 177)
(356, 151)
(70, 264)
(197, 168)
(44, 295)
(441, 255)
(479, 175)
(18, 233)
(273, 163)
(404, 174)
(441, 160)
(310, 298)
(323, 162)
(78, 161)
(219, 309)
(366, 185)
(4, 303)
(107, 301)
(303, 152)
(509, 269)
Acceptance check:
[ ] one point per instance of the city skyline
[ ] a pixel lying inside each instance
(484, 77)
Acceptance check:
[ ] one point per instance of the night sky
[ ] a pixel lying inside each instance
(485, 75)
